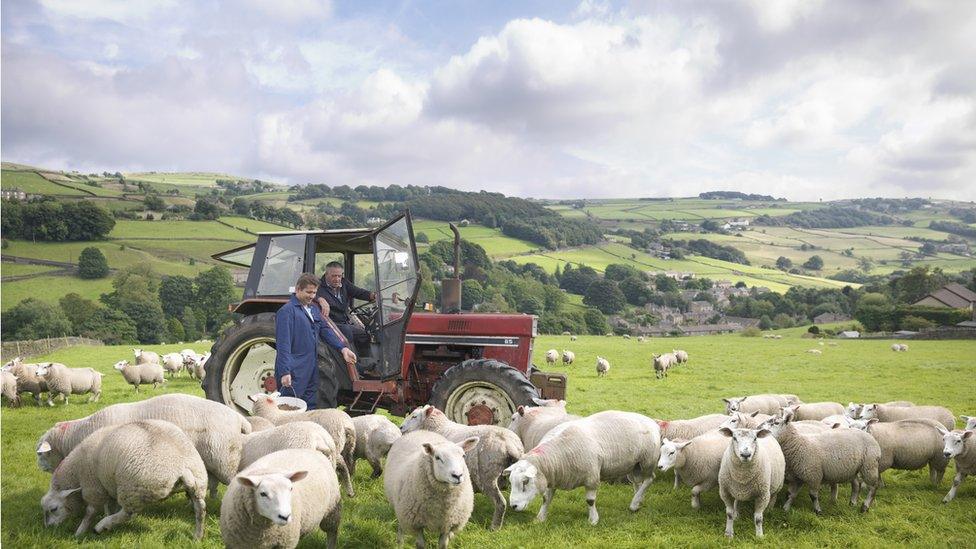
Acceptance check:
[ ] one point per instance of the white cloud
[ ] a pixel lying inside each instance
(121, 11)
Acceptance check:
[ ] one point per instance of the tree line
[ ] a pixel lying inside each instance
(831, 217)
(49, 220)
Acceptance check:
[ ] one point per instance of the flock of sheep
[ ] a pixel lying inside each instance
(57, 380)
(662, 363)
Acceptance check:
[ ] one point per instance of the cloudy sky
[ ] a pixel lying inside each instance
(803, 99)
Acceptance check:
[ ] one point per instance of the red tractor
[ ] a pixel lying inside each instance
(475, 367)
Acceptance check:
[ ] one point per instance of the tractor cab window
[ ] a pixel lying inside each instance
(396, 271)
(283, 264)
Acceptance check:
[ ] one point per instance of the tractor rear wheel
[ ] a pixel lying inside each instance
(242, 362)
(482, 392)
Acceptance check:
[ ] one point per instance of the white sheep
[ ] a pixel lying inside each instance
(764, 403)
(172, 363)
(662, 363)
(65, 381)
(27, 379)
(197, 367)
(336, 422)
(887, 413)
(626, 336)
(9, 388)
(815, 351)
(134, 465)
(752, 468)
(497, 448)
(895, 347)
(602, 366)
(814, 410)
(904, 348)
(138, 374)
(687, 429)
(960, 445)
(298, 434)
(777, 336)
(216, 431)
(680, 356)
(828, 457)
(696, 461)
(831, 343)
(573, 338)
(145, 356)
(604, 446)
(551, 356)
(532, 423)
(259, 423)
(280, 498)
(909, 444)
(970, 422)
(640, 339)
(568, 357)
(840, 420)
(375, 434)
(429, 486)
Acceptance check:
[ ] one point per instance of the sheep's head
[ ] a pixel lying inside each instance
(734, 421)
(416, 419)
(43, 369)
(272, 493)
(447, 459)
(853, 410)
(970, 422)
(550, 402)
(861, 424)
(58, 505)
(137, 352)
(745, 442)
(955, 441)
(732, 404)
(869, 411)
(526, 481)
(121, 365)
(669, 452)
(789, 411)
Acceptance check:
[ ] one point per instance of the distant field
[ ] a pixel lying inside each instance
(19, 269)
(493, 241)
(31, 183)
(253, 225)
(50, 289)
(210, 230)
(199, 179)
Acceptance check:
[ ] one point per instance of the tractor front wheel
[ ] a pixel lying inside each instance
(482, 392)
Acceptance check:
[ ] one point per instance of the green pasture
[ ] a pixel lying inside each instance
(52, 288)
(20, 269)
(496, 244)
(31, 183)
(211, 230)
(198, 179)
(907, 511)
(253, 225)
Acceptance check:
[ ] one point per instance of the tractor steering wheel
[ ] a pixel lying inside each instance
(367, 313)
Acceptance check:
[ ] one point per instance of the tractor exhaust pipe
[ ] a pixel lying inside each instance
(451, 287)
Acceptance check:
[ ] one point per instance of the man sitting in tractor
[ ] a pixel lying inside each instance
(338, 293)
(298, 326)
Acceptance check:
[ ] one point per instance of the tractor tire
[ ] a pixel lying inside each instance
(255, 327)
(482, 391)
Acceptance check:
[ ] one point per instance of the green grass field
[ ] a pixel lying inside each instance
(253, 225)
(19, 269)
(31, 183)
(197, 179)
(496, 244)
(907, 511)
(211, 230)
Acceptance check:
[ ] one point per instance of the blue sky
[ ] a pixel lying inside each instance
(802, 99)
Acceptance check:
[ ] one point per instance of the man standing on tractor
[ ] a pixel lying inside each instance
(338, 293)
(298, 326)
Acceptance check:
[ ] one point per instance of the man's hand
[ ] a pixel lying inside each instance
(323, 306)
(349, 356)
(286, 380)
(372, 296)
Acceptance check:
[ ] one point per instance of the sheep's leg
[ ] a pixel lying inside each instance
(935, 475)
(112, 521)
(591, 503)
(330, 525)
(855, 491)
(419, 534)
(696, 492)
(494, 493)
(833, 492)
(546, 500)
(757, 515)
(639, 494)
(212, 487)
(676, 479)
(955, 486)
(345, 477)
(200, 516)
(791, 495)
(377, 467)
(814, 489)
(729, 511)
(869, 498)
(86, 523)
(443, 540)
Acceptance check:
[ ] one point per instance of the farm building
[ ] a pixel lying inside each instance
(951, 295)
(824, 318)
(849, 334)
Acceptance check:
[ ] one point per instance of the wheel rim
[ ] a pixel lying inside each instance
(479, 403)
(246, 370)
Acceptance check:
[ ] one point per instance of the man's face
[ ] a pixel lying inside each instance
(305, 294)
(333, 277)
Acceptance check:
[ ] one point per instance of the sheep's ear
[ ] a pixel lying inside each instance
(429, 410)
(754, 414)
(835, 426)
(763, 433)
(967, 434)
(297, 476)
(252, 398)
(540, 401)
(468, 444)
(428, 448)
(250, 482)
(68, 492)
(873, 420)
(275, 395)
(965, 418)
(680, 445)
(520, 410)
(508, 470)
(942, 429)
(727, 401)
(725, 431)
(44, 448)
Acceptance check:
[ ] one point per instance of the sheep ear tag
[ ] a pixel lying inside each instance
(44, 448)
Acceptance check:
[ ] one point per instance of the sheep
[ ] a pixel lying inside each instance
(752, 468)
(626, 336)
(887, 413)
(662, 363)
(132, 464)
(259, 423)
(970, 422)
(777, 336)
(280, 498)
(752, 420)
(27, 379)
(145, 356)
(833, 456)
(602, 366)
(374, 436)
(908, 445)
(497, 449)
(815, 351)
(573, 338)
(336, 422)
(960, 445)
(640, 339)
(696, 461)
(567, 333)
(137, 374)
(904, 348)
(815, 410)
(568, 357)
(551, 356)
(429, 486)
(841, 420)
(681, 356)
(197, 367)
(65, 381)
(215, 430)
(895, 347)
(605, 446)
(687, 429)
(172, 363)
(297, 434)
(831, 343)
(765, 403)
(532, 423)
(9, 388)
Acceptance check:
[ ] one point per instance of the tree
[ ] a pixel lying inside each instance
(175, 293)
(86, 221)
(709, 225)
(782, 320)
(206, 208)
(875, 311)
(34, 319)
(153, 202)
(665, 283)
(532, 305)
(636, 291)
(915, 323)
(783, 263)
(605, 296)
(77, 309)
(576, 281)
(422, 238)
(618, 272)
(918, 283)
(92, 264)
(472, 293)
(174, 331)
(110, 326)
(596, 323)
(148, 317)
(191, 327)
(765, 323)
(215, 289)
(815, 263)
